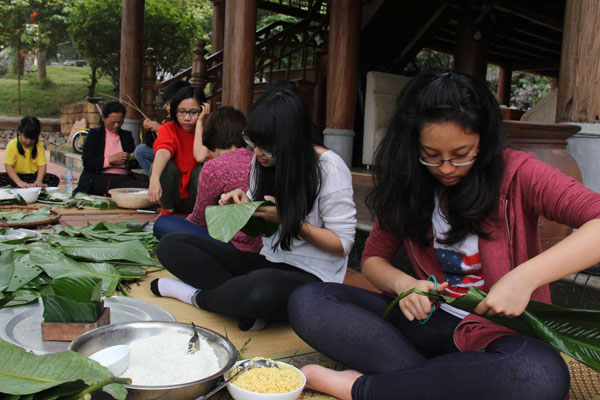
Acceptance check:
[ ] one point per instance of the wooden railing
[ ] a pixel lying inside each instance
(283, 49)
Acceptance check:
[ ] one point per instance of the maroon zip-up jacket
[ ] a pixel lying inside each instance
(529, 188)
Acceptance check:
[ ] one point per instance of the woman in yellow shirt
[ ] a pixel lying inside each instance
(25, 159)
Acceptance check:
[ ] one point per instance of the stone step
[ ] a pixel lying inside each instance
(67, 159)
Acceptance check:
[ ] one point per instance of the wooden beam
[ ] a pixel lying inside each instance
(132, 55)
(529, 14)
(528, 43)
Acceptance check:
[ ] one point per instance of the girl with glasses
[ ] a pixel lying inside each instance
(466, 209)
(311, 189)
(179, 153)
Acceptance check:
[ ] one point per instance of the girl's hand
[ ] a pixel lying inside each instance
(38, 184)
(508, 297)
(204, 113)
(152, 125)
(118, 158)
(234, 197)
(416, 306)
(25, 185)
(154, 190)
(269, 213)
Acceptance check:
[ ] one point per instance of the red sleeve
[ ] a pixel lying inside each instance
(380, 243)
(165, 139)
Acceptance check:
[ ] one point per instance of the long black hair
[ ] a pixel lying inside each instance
(31, 128)
(280, 123)
(403, 196)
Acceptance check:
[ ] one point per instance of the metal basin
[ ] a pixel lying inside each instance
(125, 333)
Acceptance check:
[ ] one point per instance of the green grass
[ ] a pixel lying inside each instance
(64, 85)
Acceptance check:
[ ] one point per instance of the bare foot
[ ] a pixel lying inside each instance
(335, 383)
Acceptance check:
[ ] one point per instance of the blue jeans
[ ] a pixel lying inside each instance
(145, 156)
(404, 359)
(175, 224)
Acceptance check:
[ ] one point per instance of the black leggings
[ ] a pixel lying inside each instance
(104, 182)
(233, 282)
(49, 179)
(409, 360)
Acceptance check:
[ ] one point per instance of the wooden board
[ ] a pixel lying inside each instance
(67, 331)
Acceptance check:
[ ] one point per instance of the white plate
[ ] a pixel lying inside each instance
(50, 202)
(21, 233)
(22, 325)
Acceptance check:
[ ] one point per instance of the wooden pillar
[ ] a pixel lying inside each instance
(504, 83)
(471, 44)
(149, 82)
(579, 81)
(238, 54)
(342, 75)
(130, 77)
(218, 25)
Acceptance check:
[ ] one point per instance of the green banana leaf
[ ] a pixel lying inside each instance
(7, 261)
(73, 300)
(40, 214)
(574, 332)
(223, 222)
(23, 373)
(132, 250)
(58, 265)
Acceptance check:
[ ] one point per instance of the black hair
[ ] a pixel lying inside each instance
(280, 123)
(31, 128)
(173, 88)
(223, 129)
(403, 196)
(113, 106)
(282, 84)
(186, 92)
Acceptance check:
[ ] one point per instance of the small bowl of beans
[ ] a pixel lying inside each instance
(261, 383)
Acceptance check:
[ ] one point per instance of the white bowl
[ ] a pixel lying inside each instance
(242, 394)
(114, 358)
(130, 197)
(30, 195)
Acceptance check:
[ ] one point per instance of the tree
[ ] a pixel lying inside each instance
(49, 17)
(17, 32)
(170, 28)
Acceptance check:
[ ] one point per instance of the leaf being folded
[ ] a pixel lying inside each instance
(223, 222)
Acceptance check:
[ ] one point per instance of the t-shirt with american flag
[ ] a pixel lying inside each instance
(459, 261)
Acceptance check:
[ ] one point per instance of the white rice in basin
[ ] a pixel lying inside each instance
(163, 360)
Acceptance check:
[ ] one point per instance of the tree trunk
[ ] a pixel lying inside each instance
(93, 81)
(41, 59)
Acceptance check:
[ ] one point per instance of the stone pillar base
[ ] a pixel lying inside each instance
(134, 126)
(341, 141)
(584, 146)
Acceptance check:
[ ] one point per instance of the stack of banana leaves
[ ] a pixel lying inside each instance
(113, 253)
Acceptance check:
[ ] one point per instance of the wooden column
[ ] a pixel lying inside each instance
(149, 83)
(342, 73)
(130, 77)
(579, 81)
(504, 82)
(218, 25)
(471, 44)
(238, 54)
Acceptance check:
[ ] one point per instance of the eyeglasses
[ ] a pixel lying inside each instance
(456, 161)
(250, 143)
(192, 113)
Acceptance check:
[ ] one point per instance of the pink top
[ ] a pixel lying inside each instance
(221, 175)
(112, 145)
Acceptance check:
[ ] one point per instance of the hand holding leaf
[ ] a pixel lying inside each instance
(223, 222)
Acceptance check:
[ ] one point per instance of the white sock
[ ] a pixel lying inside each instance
(169, 287)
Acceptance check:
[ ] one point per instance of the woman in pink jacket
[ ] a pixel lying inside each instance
(466, 210)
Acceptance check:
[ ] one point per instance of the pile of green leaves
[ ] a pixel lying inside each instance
(574, 332)
(70, 299)
(223, 222)
(41, 214)
(79, 200)
(113, 253)
(65, 375)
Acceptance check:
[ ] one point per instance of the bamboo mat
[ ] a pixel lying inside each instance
(277, 340)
